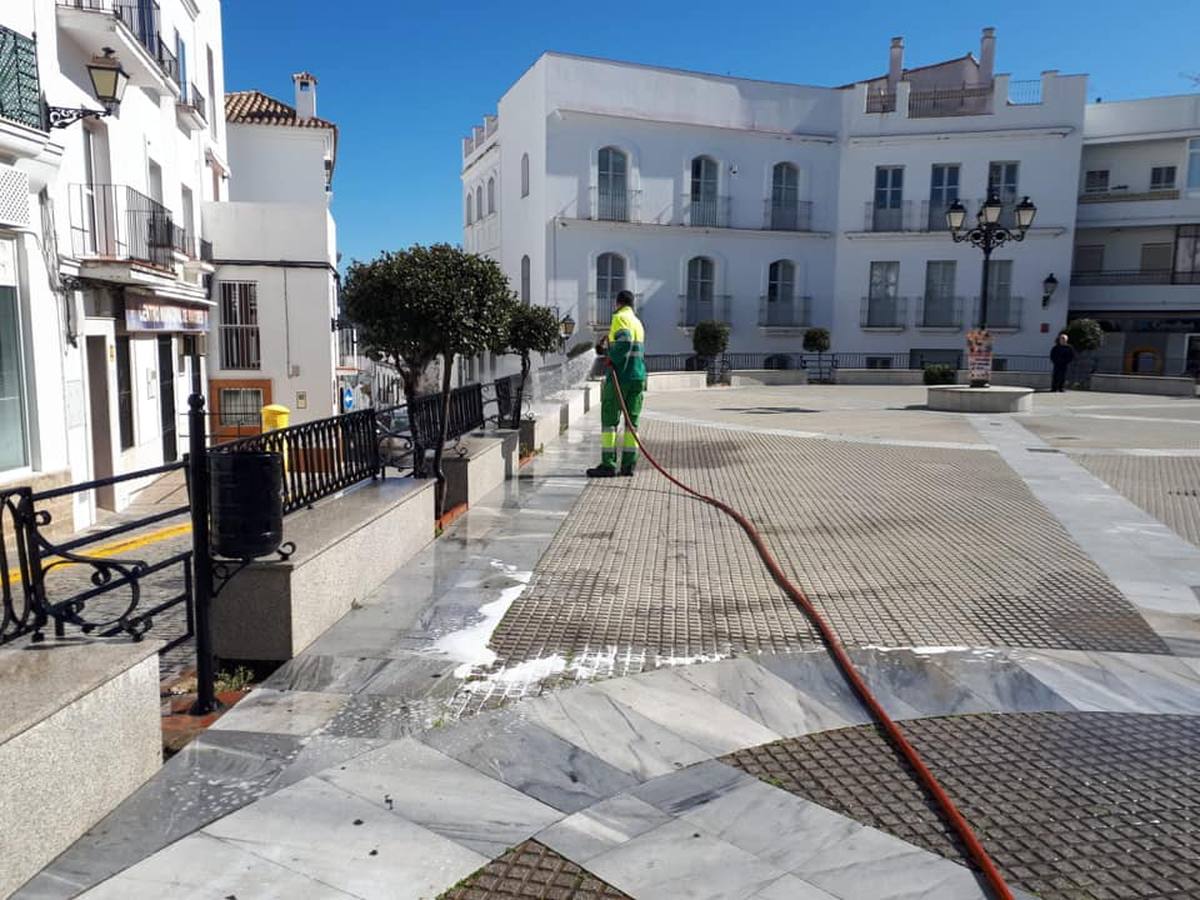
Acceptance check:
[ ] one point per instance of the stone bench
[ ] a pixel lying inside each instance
(1143, 384)
(878, 376)
(752, 377)
(346, 546)
(479, 470)
(676, 381)
(994, 399)
(80, 730)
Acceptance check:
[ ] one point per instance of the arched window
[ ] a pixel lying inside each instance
(469, 207)
(610, 280)
(525, 279)
(491, 195)
(479, 202)
(700, 305)
(525, 175)
(785, 197)
(612, 193)
(781, 293)
(706, 205)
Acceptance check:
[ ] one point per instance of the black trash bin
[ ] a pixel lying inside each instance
(246, 493)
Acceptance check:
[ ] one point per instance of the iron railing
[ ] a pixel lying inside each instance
(788, 216)
(888, 218)
(610, 205)
(674, 362)
(708, 212)
(871, 360)
(881, 101)
(968, 100)
(693, 310)
(113, 221)
(940, 312)
(1122, 276)
(20, 87)
(143, 19)
(206, 250)
(884, 312)
(785, 312)
(1025, 92)
(49, 574)
(347, 340)
(1004, 312)
(191, 96)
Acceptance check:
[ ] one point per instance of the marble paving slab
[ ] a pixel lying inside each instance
(613, 732)
(602, 827)
(697, 785)
(815, 675)
(525, 756)
(281, 712)
(789, 887)
(444, 795)
(347, 843)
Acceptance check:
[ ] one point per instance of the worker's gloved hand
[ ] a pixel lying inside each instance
(602, 346)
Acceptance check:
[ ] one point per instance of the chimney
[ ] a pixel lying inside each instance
(987, 55)
(895, 63)
(306, 95)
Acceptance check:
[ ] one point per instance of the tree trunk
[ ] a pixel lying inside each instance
(516, 415)
(410, 377)
(447, 365)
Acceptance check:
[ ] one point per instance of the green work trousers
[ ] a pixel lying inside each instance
(610, 420)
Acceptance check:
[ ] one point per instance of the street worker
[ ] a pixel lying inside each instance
(1062, 354)
(625, 349)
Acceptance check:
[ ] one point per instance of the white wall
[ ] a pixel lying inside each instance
(275, 164)
(271, 231)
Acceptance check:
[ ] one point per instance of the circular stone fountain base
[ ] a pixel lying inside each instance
(960, 398)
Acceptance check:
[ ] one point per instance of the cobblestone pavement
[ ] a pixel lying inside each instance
(1167, 487)
(897, 546)
(533, 871)
(1069, 805)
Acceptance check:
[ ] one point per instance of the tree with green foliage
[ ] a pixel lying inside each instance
(1084, 334)
(531, 329)
(816, 340)
(710, 339)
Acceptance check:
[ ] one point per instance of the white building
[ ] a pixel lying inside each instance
(101, 259)
(276, 339)
(1137, 243)
(777, 206)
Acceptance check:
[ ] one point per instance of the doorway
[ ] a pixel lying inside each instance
(166, 397)
(101, 423)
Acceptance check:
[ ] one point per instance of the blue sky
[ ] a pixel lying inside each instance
(405, 81)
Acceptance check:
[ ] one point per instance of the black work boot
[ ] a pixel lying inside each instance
(626, 471)
(601, 472)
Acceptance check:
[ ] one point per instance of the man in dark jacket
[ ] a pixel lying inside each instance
(1061, 356)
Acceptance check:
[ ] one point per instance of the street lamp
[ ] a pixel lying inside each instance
(109, 80)
(987, 235)
(1049, 286)
(566, 327)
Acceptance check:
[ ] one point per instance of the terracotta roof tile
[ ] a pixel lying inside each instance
(256, 108)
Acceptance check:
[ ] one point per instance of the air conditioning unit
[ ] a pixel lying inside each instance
(14, 198)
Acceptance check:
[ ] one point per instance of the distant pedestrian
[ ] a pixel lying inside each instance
(1062, 354)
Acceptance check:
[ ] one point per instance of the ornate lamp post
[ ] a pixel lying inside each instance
(109, 79)
(987, 234)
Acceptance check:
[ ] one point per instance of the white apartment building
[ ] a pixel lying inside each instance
(102, 261)
(777, 207)
(1137, 243)
(277, 338)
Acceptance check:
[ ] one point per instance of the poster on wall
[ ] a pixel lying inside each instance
(150, 315)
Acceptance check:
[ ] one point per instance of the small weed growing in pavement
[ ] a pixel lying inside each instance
(240, 679)
(771, 780)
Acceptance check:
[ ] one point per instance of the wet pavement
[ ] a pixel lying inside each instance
(977, 577)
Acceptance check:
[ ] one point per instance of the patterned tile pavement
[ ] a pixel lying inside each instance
(535, 872)
(1167, 487)
(1069, 805)
(898, 546)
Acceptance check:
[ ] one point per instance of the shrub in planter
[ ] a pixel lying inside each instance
(709, 340)
(940, 373)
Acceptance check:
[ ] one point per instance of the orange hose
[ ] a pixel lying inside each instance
(949, 811)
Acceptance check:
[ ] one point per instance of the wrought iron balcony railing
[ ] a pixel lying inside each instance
(115, 222)
(788, 217)
(693, 310)
(884, 312)
(20, 87)
(940, 312)
(881, 101)
(968, 100)
(708, 212)
(1004, 312)
(193, 98)
(895, 217)
(1122, 276)
(143, 19)
(614, 206)
(784, 312)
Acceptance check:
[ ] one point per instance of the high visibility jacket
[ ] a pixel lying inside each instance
(627, 345)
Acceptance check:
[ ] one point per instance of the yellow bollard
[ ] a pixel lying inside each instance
(274, 417)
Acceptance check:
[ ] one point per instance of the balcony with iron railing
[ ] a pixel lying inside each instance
(696, 309)
(896, 216)
(1004, 312)
(347, 346)
(601, 307)
(965, 100)
(609, 205)
(20, 86)
(788, 216)
(707, 212)
(137, 39)
(113, 222)
(940, 313)
(884, 313)
(783, 313)
(1127, 276)
(192, 108)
